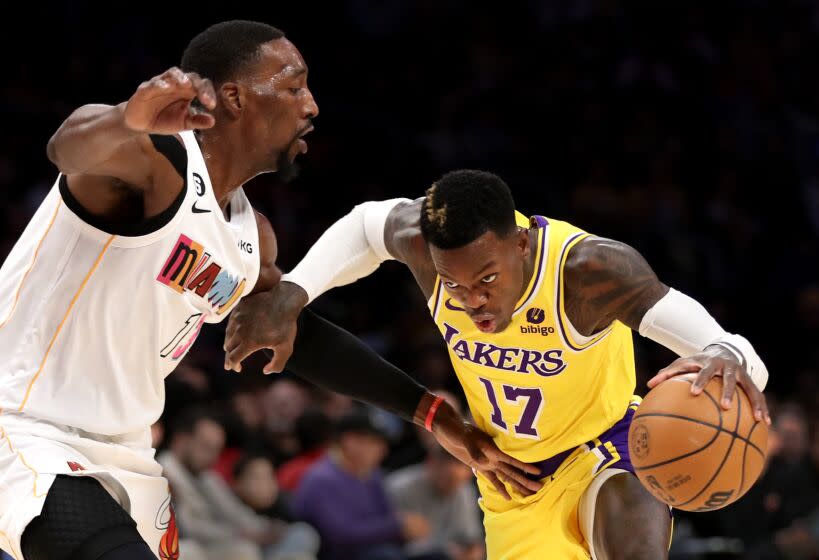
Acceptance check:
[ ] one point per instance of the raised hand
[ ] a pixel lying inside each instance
(165, 103)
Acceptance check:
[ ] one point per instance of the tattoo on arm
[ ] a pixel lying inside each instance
(606, 280)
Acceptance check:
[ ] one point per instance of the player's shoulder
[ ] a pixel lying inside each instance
(403, 231)
(405, 218)
(602, 257)
(262, 222)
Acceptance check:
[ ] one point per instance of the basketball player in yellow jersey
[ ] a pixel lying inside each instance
(537, 315)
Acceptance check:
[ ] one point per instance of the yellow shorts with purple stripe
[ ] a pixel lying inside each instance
(545, 525)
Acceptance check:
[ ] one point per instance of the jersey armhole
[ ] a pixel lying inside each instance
(174, 151)
(571, 337)
(435, 299)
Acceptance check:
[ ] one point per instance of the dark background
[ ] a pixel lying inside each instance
(687, 129)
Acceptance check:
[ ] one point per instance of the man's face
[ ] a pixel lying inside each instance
(486, 277)
(364, 451)
(279, 105)
(204, 445)
(257, 484)
(793, 435)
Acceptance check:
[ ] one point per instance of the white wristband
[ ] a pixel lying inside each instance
(740, 347)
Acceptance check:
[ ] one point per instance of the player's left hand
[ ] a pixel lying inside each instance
(476, 449)
(716, 360)
(264, 320)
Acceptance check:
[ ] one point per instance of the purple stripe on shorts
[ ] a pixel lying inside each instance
(617, 435)
(549, 466)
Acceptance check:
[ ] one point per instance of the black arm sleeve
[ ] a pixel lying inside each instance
(334, 359)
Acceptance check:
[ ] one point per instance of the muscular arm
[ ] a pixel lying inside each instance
(106, 153)
(403, 239)
(607, 281)
(95, 140)
(350, 368)
(334, 359)
(357, 244)
(269, 273)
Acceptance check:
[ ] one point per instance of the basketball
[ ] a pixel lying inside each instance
(691, 453)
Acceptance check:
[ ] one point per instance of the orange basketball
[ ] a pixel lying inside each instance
(691, 453)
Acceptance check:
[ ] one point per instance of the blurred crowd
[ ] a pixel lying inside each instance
(687, 129)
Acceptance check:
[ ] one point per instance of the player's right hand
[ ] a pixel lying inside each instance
(713, 361)
(477, 449)
(264, 320)
(164, 104)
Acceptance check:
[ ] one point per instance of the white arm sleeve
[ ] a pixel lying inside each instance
(350, 249)
(685, 327)
(681, 324)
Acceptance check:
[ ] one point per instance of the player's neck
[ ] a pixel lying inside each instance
(225, 168)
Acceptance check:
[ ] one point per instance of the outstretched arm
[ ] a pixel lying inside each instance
(353, 247)
(334, 359)
(103, 146)
(357, 244)
(609, 281)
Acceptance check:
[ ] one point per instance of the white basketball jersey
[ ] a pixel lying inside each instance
(91, 323)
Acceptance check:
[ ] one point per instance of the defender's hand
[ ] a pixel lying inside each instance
(477, 450)
(264, 320)
(164, 104)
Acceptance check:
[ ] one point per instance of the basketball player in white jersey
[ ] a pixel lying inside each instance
(145, 236)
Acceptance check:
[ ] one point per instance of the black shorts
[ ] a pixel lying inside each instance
(80, 521)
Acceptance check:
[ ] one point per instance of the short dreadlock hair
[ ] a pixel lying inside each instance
(463, 205)
(223, 49)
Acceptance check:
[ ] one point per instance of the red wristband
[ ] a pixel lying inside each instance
(433, 408)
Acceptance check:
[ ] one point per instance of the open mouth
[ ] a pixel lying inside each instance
(300, 142)
(485, 322)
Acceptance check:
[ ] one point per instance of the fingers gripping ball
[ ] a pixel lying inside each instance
(692, 454)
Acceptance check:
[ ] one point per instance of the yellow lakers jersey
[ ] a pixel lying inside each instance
(539, 387)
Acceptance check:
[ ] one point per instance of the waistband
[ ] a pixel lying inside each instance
(549, 466)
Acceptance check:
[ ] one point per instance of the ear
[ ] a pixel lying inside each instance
(523, 245)
(232, 99)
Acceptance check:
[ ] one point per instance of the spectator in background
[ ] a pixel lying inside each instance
(590, 85)
(814, 449)
(440, 490)
(283, 402)
(335, 405)
(214, 522)
(195, 444)
(800, 539)
(415, 450)
(343, 496)
(245, 430)
(255, 484)
(314, 431)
